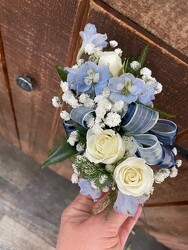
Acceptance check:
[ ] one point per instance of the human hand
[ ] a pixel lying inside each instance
(81, 230)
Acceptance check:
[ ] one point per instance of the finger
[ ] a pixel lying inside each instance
(80, 205)
(128, 225)
(115, 219)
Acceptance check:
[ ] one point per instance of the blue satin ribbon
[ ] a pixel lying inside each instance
(165, 131)
(81, 115)
(149, 133)
(69, 127)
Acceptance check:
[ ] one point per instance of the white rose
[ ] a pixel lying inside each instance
(106, 147)
(134, 177)
(112, 60)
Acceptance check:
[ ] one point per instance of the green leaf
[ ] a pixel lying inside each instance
(62, 153)
(82, 133)
(143, 56)
(129, 247)
(121, 71)
(57, 143)
(62, 73)
(126, 65)
(81, 130)
(158, 110)
(163, 113)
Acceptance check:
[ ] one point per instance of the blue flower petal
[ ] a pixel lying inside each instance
(142, 199)
(99, 40)
(87, 189)
(115, 97)
(90, 35)
(147, 94)
(126, 204)
(113, 83)
(89, 31)
(77, 78)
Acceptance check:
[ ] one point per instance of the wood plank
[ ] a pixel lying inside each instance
(14, 236)
(7, 120)
(44, 36)
(16, 174)
(167, 20)
(168, 224)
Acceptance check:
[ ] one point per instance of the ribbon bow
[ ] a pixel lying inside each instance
(152, 135)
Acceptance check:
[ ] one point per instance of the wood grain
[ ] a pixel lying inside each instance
(168, 224)
(167, 20)
(7, 119)
(37, 36)
(14, 236)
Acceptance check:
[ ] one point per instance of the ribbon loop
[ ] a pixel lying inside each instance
(165, 131)
(81, 115)
(168, 159)
(149, 148)
(139, 119)
(69, 127)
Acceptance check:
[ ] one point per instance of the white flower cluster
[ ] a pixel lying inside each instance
(147, 77)
(70, 99)
(107, 112)
(86, 100)
(130, 146)
(163, 173)
(56, 102)
(73, 138)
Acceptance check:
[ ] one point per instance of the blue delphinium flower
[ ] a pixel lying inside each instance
(126, 88)
(148, 93)
(89, 78)
(126, 204)
(92, 38)
(87, 189)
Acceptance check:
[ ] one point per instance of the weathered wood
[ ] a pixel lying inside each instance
(37, 36)
(165, 19)
(168, 224)
(7, 119)
(14, 236)
(18, 174)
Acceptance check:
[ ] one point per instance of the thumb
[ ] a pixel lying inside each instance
(128, 225)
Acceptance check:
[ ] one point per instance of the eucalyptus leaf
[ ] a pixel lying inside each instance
(62, 73)
(62, 153)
